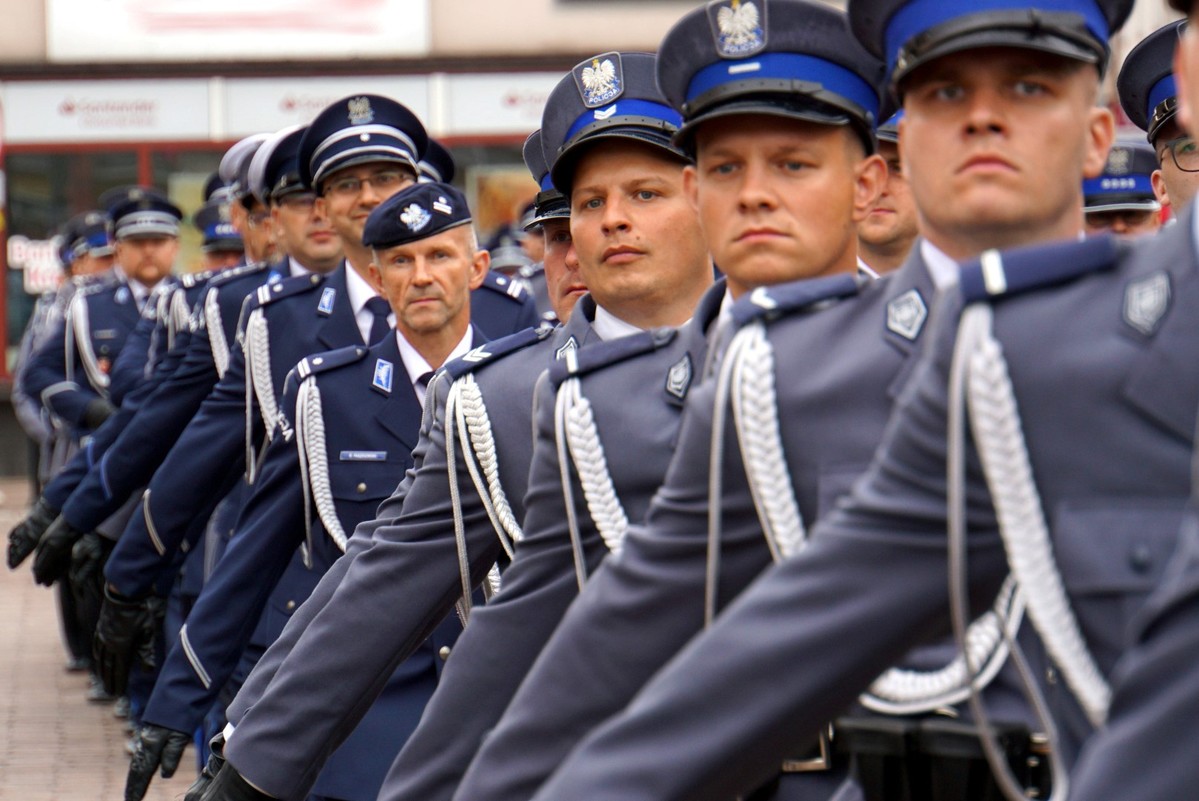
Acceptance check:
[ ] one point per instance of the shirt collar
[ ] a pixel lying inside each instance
(608, 326)
(943, 270)
(295, 269)
(358, 290)
(865, 270)
(415, 364)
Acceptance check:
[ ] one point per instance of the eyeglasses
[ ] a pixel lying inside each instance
(382, 181)
(298, 201)
(1184, 151)
(258, 219)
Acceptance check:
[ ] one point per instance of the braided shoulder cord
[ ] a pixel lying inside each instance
(216, 332)
(78, 313)
(179, 316)
(451, 465)
(995, 423)
(314, 463)
(484, 467)
(591, 465)
(561, 412)
(258, 384)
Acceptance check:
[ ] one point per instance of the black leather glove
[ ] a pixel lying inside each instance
(125, 632)
(25, 535)
(216, 761)
(87, 562)
(230, 786)
(154, 747)
(53, 555)
(96, 412)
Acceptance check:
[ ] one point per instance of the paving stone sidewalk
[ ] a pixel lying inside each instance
(54, 745)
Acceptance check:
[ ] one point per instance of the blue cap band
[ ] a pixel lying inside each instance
(546, 183)
(1162, 91)
(919, 16)
(624, 107)
(97, 240)
(221, 230)
(788, 66)
(1118, 185)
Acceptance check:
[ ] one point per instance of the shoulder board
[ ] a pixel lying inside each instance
(96, 287)
(772, 302)
(495, 350)
(191, 280)
(504, 285)
(605, 354)
(269, 293)
(225, 276)
(997, 274)
(330, 360)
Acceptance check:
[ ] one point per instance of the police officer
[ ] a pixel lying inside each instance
(220, 242)
(1121, 200)
(350, 176)
(343, 462)
(1149, 97)
(886, 236)
(643, 206)
(765, 221)
(876, 565)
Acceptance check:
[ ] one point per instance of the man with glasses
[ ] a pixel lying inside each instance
(1122, 199)
(356, 153)
(1149, 97)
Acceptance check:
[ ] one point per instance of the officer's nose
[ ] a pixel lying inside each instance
(755, 192)
(616, 217)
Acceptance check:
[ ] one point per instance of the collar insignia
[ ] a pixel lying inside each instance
(570, 346)
(384, 370)
(1146, 301)
(328, 295)
(678, 380)
(906, 315)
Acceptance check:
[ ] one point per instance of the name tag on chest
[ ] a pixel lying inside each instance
(364, 456)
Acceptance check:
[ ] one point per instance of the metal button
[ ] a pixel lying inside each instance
(1140, 558)
(291, 605)
(318, 360)
(362, 487)
(444, 652)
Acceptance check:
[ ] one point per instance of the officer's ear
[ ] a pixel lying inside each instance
(869, 178)
(374, 276)
(691, 186)
(480, 264)
(1101, 132)
(1159, 187)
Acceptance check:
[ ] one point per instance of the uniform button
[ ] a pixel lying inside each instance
(361, 487)
(318, 360)
(444, 652)
(291, 605)
(1140, 558)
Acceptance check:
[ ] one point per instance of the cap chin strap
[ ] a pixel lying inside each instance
(980, 382)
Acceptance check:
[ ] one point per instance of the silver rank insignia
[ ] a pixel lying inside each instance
(359, 111)
(442, 205)
(739, 28)
(476, 355)
(328, 295)
(906, 315)
(601, 81)
(384, 370)
(678, 380)
(570, 346)
(760, 297)
(415, 217)
(1146, 301)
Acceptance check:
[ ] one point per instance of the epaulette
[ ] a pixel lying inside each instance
(269, 293)
(192, 280)
(225, 276)
(330, 360)
(94, 287)
(604, 354)
(772, 302)
(493, 351)
(1009, 273)
(505, 286)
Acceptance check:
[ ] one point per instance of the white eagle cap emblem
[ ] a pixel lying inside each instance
(601, 81)
(359, 111)
(739, 27)
(1119, 161)
(415, 217)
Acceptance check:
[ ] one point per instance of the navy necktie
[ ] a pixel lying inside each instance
(379, 309)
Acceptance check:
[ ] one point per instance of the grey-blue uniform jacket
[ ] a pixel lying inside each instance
(301, 316)
(635, 387)
(408, 573)
(124, 452)
(1100, 348)
(370, 418)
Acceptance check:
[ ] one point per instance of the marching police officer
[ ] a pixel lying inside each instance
(1148, 94)
(1121, 200)
(418, 542)
(886, 236)
(220, 242)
